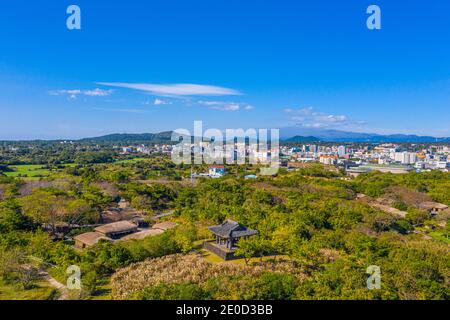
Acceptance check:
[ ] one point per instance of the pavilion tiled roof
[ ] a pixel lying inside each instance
(232, 229)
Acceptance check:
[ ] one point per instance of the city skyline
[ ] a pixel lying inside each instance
(141, 67)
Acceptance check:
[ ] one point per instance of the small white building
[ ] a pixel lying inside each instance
(216, 171)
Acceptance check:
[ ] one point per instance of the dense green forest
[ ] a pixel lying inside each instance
(315, 239)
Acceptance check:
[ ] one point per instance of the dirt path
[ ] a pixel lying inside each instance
(64, 292)
(162, 215)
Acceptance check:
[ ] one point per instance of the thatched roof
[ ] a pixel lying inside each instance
(142, 234)
(164, 225)
(90, 238)
(116, 227)
(430, 205)
(389, 209)
(232, 229)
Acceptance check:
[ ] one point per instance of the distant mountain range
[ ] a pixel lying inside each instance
(344, 136)
(162, 137)
(290, 134)
(302, 139)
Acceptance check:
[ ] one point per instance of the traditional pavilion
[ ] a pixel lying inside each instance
(228, 233)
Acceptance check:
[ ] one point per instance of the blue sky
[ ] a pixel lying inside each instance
(149, 66)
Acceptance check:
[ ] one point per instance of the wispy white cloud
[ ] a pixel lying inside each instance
(97, 92)
(310, 118)
(226, 106)
(74, 93)
(157, 102)
(160, 102)
(175, 89)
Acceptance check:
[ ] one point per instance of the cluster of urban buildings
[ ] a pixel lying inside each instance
(384, 157)
(142, 149)
(354, 158)
(230, 153)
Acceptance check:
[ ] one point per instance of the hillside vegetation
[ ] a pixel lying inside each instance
(322, 239)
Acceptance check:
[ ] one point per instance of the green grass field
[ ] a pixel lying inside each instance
(42, 291)
(134, 160)
(438, 235)
(212, 258)
(28, 171)
(31, 172)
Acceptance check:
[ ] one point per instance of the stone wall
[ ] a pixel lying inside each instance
(224, 254)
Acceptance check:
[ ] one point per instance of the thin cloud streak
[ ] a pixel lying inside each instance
(175, 89)
(159, 102)
(226, 106)
(74, 93)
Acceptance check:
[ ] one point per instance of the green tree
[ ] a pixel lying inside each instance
(12, 218)
(44, 207)
(417, 216)
(247, 248)
(272, 286)
(181, 291)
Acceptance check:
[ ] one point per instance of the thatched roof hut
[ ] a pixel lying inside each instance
(433, 207)
(117, 229)
(142, 234)
(164, 225)
(89, 239)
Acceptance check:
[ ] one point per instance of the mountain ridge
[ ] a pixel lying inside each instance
(347, 136)
(288, 134)
(319, 136)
